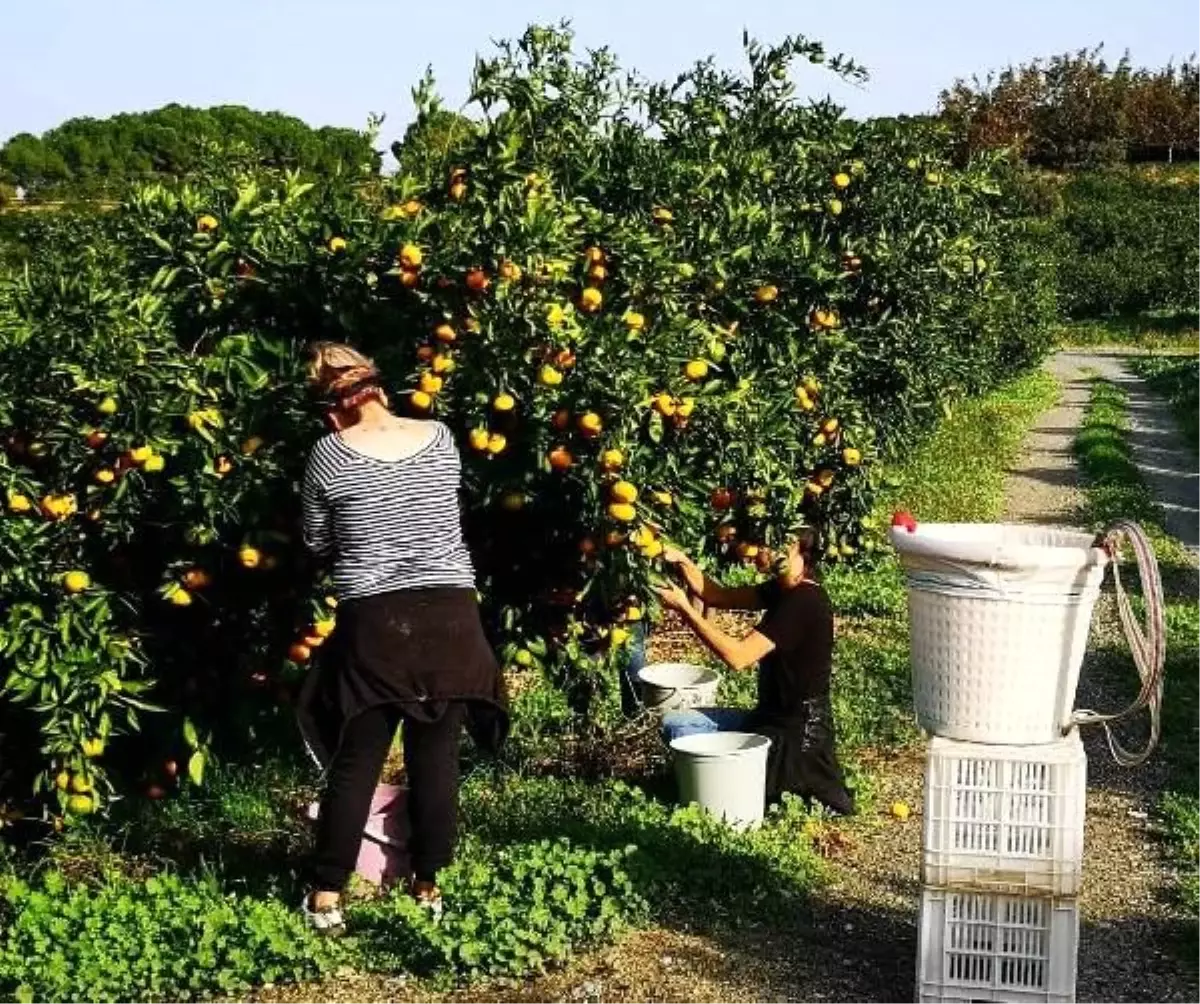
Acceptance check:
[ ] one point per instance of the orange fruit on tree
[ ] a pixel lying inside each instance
(597, 273)
(766, 294)
(612, 460)
(590, 300)
(825, 477)
(93, 747)
(497, 443)
(107, 406)
(560, 458)
(548, 376)
(105, 476)
(80, 805)
(154, 464)
(814, 489)
(76, 582)
(443, 364)
(830, 426)
(663, 498)
(841, 180)
(623, 512)
(504, 402)
(746, 550)
(478, 438)
(420, 400)
(19, 504)
(594, 256)
(477, 280)
(324, 627)
(409, 278)
(623, 491)
(197, 578)
(249, 557)
(206, 223)
(851, 457)
(662, 215)
(591, 424)
(722, 499)
(819, 439)
(634, 321)
(685, 406)
(458, 191)
(445, 334)
(835, 207)
(561, 419)
(510, 271)
(337, 244)
(664, 404)
(726, 533)
(564, 359)
(696, 370)
(430, 383)
(222, 466)
(179, 597)
(95, 438)
(299, 653)
(411, 257)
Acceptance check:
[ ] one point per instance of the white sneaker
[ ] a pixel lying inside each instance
(328, 922)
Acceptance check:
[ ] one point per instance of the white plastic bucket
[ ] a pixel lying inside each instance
(725, 773)
(672, 686)
(999, 621)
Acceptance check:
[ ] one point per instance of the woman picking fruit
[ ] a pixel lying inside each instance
(381, 502)
(793, 648)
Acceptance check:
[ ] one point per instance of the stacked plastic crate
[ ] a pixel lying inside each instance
(1002, 863)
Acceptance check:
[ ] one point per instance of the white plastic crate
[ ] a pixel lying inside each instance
(1005, 818)
(987, 947)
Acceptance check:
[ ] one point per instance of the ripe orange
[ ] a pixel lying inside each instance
(814, 489)
(299, 653)
(830, 426)
(722, 499)
(685, 406)
(561, 419)
(337, 245)
(664, 404)
(623, 512)
(96, 438)
(590, 300)
(19, 504)
(430, 383)
(206, 224)
(803, 401)
(420, 400)
(222, 466)
(80, 805)
(825, 477)
(504, 402)
(696, 370)
(458, 191)
(76, 582)
(623, 491)
(835, 207)
(612, 460)
(766, 294)
(497, 443)
(747, 550)
(841, 180)
(819, 439)
(726, 533)
(154, 464)
(564, 359)
(93, 747)
(510, 271)
(851, 457)
(591, 424)
(108, 406)
(411, 257)
(477, 280)
(445, 334)
(250, 557)
(560, 458)
(478, 439)
(443, 364)
(634, 321)
(105, 476)
(324, 627)
(179, 597)
(197, 578)
(409, 278)
(594, 256)
(548, 376)
(597, 273)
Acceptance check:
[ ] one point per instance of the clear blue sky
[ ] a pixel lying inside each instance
(335, 61)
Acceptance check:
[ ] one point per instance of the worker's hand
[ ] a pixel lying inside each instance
(673, 597)
(673, 556)
(692, 576)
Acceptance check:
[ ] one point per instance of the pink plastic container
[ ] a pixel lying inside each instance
(383, 856)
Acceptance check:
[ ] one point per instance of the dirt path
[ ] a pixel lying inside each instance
(857, 940)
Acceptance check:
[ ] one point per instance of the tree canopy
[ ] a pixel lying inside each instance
(85, 155)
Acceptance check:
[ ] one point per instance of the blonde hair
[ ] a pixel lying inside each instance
(336, 370)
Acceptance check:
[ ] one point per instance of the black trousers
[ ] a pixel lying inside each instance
(431, 764)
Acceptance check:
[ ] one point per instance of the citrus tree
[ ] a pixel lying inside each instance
(696, 311)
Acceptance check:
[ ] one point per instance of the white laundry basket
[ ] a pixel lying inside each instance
(999, 624)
